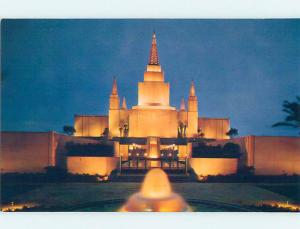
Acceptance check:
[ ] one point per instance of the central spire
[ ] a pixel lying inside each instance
(153, 59)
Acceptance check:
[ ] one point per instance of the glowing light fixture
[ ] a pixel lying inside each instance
(155, 195)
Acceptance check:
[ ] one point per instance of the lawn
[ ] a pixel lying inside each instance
(289, 190)
(109, 196)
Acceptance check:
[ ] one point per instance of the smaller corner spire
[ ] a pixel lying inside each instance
(192, 89)
(182, 105)
(114, 90)
(124, 105)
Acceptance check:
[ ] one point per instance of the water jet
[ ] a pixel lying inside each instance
(156, 195)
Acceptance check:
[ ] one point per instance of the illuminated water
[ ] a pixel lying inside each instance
(196, 205)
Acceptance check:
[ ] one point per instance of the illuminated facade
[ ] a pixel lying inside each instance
(152, 112)
(153, 128)
(153, 119)
(150, 134)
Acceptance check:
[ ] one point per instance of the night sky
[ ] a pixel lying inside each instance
(243, 69)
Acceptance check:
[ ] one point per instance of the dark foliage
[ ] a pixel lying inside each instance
(101, 149)
(232, 132)
(244, 178)
(229, 150)
(232, 148)
(56, 175)
(70, 130)
(246, 171)
(293, 114)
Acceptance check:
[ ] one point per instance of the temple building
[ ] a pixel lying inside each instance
(153, 122)
(152, 112)
(150, 134)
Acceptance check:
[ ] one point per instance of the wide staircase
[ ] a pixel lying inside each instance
(137, 175)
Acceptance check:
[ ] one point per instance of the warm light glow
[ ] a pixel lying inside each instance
(89, 125)
(156, 184)
(17, 206)
(214, 128)
(214, 166)
(155, 195)
(90, 165)
(202, 178)
(147, 121)
(286, 205)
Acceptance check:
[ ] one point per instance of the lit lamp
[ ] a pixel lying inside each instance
(155, 196)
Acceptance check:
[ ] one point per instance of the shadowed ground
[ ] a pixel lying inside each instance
(109, 196)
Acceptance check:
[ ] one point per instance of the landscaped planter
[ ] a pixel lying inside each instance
(214, 166)
(91, 165)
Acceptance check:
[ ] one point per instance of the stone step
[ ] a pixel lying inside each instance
(140, 177)
(144, 171)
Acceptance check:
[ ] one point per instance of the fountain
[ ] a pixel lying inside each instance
(155, 196)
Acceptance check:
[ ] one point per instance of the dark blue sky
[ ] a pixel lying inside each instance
(243, 69)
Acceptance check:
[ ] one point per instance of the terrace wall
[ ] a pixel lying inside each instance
(31, 152)
(214, 166)
(273, 155)
(27, 151)
(269, 155)
(92, 165)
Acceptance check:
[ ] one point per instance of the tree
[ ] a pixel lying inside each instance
(70, 130)
(231, 148)
(232, 132)
(182, 130)
(293, 111)
(126, 130)
(121, 130)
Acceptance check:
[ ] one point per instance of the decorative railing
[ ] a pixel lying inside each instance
(138, 158)
(137, 153)
(169, 154)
